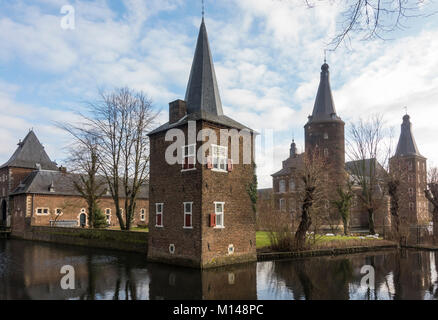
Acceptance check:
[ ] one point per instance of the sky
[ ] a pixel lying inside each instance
(267, 55)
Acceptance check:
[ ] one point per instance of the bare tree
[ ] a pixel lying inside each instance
(432, 195)
(364, 149)
(121, 121)
(84, 165)
(312, 193)
(343, 204)
(374, 18)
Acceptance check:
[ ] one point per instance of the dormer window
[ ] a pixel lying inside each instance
(52, 187)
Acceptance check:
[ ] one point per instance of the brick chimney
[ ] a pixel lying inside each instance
(177, 110)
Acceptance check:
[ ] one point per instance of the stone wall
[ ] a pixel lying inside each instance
(95, 238)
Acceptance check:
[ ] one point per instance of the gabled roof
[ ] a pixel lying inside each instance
(29, 154)
(202, 90)
(324, 108)
(406, 144)
(41, 182)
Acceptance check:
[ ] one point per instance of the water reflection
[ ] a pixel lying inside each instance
(31, 270)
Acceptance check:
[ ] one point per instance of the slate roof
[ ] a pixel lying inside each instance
(357, 167)
(324, 108)
(406, 144)
(264, 194)
(40, 182)
(29, 153)
(202, 95)
(202, 90)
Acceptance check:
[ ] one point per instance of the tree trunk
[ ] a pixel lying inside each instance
(345, 222)
(371, 221)
(306, 220)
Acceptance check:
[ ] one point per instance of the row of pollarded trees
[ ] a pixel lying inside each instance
(110, 152)
(369, 179)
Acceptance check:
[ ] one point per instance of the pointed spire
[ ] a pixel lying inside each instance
(202, 93)
(324, 108)
(406, 144)
(293, 149)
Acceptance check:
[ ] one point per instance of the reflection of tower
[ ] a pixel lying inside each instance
(230, 283)
(324, 131)
(412, 169)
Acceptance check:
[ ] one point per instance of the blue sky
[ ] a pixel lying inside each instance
(267, 56)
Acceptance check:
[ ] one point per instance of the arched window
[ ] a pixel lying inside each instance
(291, 185)
(282, 186)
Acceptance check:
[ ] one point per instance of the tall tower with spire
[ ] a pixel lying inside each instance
(411, 167)
(324, 131)
(201, 214)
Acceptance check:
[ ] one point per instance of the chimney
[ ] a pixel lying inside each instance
(63, 169)
(177, 110)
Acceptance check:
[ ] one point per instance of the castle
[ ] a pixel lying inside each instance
(325, 130)
(36, 192)
(200, 212)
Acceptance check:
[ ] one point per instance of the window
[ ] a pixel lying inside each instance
(282, 186)
(58, 211)
(292, 204)
(142, 215)
(42, 211)
(108, 215)
(325, 136)
(291, 185)
(159, 214)
(219, 211)
(411, 206)
(326, 152)
(219, 157)
(282, 204)
(411, 192)
(189, 157)
(188, 206)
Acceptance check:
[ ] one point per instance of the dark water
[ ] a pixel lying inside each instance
(30, 270)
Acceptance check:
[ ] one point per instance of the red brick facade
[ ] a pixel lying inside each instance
(202, 245)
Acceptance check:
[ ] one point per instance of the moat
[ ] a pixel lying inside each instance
(31, 270)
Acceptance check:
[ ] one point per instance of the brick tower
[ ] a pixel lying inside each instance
(325, 131)
(200, 211)
(412, 167)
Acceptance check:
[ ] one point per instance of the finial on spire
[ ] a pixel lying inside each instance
(325, 55)
(406, 109)
(203, 9)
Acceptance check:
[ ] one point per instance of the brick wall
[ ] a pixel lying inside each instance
(201, 245)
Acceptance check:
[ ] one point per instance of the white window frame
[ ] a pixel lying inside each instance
(281, 207)
(219, 158)
(188, 213)
(159, 212)
(189, 154)
(222, 214)
(281, 183)
(108, 219)
(292, 186)
(42, 211)
(143, 215)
